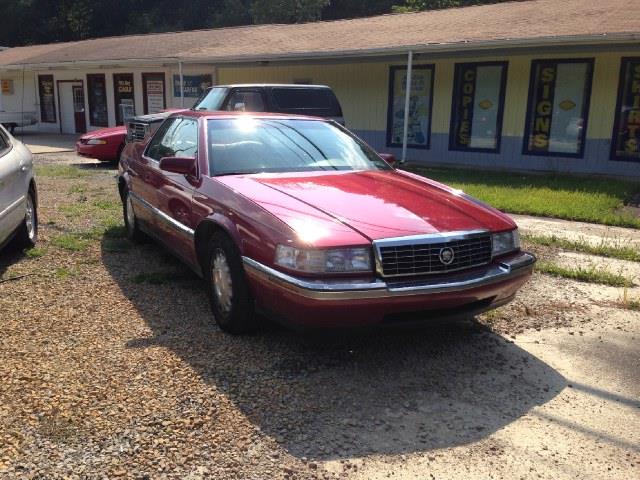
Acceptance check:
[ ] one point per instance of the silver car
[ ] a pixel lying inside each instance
(18, 194)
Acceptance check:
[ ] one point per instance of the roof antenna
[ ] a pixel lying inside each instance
(22, 109)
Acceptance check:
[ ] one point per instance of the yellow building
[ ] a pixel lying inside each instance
(536, 85)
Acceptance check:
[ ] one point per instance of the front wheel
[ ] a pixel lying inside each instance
(229, 294)
(28, 230)
(130, 221)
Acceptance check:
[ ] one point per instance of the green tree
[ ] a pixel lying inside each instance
(287, 11)
(418, 5)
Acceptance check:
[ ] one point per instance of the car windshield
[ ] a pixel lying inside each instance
(258, 145)
(211, 99)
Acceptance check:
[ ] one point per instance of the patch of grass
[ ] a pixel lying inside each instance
(61, 171)
(62, 273)
(78, 188)
(70, 241)
(629, 303)
(588, 199)
(589, 275)
(602, 249)
(35, 252)
(115, 231)
(116, 245)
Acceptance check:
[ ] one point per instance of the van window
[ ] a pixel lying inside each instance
(320, 102)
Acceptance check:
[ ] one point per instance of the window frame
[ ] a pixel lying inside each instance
(616, 118)
(501, 102)
(243, 90)
(586, 104)
(164, 127)
(392, 71)
(4, 137)
(47, 77)
(90, 77)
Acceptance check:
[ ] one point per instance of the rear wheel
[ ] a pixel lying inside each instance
(130, 221)
(28, 230)
(229, 294)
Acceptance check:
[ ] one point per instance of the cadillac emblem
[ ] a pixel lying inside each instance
(446, 255)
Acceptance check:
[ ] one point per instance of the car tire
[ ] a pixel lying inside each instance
(227, 287)
(131, 221)
(27, 235)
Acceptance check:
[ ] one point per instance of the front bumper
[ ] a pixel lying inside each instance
(103, 152)
(344, 303)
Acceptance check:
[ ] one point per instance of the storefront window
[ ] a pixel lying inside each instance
(123, 97)
(420, 101)
(97, 89)
(47, 99)
(626, 131)
(558, 107)
(478, 104)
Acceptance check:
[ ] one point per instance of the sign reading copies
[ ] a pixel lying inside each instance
(47, 99)
(626, 140)
(193, 85)
(477, 106)
(419, 106)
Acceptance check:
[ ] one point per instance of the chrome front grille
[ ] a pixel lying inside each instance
(432, 254)
(136, 131)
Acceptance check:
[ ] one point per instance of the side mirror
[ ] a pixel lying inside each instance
(239, 107)
(389, 158)
(180, 165)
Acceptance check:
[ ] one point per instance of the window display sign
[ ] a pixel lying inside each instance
(6, 86)
(193, 85)
(97, 89)
(153, 92)
(420, 101)
(626, 131)
(123, 97)
(558, 107)
(47, 99)
(478, 104)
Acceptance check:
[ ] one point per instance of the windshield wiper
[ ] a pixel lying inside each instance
(224, 174)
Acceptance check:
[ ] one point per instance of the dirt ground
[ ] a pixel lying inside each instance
(112, 367)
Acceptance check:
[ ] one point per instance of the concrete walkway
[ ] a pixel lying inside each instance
(578, 231)
(48, 142)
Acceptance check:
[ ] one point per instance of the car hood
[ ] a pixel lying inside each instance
(375, 204)
(105, 132)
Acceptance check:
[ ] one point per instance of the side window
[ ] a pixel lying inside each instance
(4, 143)
(177, 137)
(245, 101)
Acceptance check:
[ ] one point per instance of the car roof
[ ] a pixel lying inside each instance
(272, 85)
(224, 114)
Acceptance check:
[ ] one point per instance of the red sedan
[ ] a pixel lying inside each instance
(105, 144)
(298, 218)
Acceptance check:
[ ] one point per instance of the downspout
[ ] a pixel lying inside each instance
(407, 99)
(181, 85)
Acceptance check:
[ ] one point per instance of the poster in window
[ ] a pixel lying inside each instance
(97, 88)
(626, 131)
(420, 100)
(123, 97)
(558, 107)
(478, 103)
(154, 98)
(193, 85)
(47, 99)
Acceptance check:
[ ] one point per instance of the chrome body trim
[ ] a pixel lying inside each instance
(424, 240)
(13, 206)
(172, 222)
(513, 267)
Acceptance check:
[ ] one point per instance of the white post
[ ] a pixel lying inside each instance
(181, 85)
(407, 99)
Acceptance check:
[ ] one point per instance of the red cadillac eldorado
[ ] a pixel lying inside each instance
(297, 218)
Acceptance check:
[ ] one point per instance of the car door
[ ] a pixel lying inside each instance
(11, 194)
(175, 222)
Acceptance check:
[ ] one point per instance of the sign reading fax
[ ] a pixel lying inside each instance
(193, 85)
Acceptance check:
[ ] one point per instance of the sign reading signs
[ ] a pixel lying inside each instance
(47, 99)
(193, 85)
(543, 108)
(6, 87)
(626, 140)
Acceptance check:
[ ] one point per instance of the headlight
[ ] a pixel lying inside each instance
(505, 242)
(336, 260)
(95, 141)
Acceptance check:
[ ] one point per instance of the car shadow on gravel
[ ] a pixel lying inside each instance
(336, 396)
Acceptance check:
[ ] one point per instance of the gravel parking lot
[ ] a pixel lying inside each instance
(112, 367)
